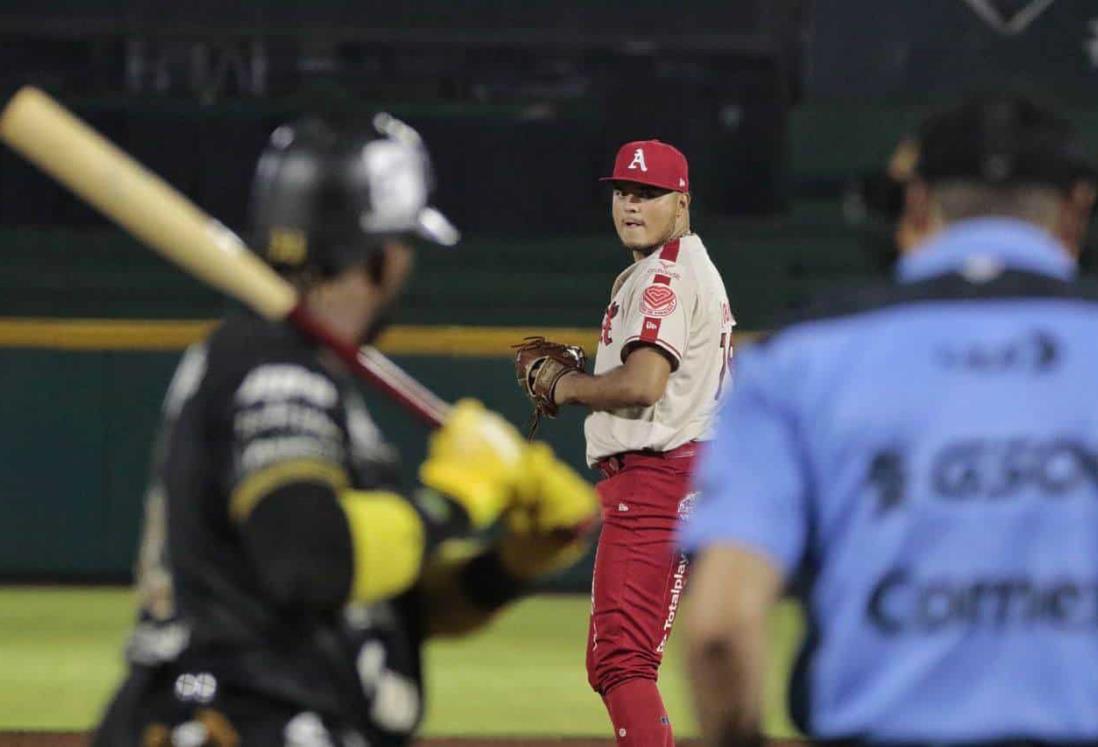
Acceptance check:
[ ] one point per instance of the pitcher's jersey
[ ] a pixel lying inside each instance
(675, 300)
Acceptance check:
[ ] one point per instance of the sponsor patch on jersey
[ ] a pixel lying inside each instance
(686, 505)
(262, 452)
(658, 300)
(286, 417)
(650, 331)
(284, 381)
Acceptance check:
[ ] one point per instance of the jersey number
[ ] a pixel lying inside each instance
(726, 356)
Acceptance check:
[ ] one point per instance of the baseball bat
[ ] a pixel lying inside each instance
(158, 215)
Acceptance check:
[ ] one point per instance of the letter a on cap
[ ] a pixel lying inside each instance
(638, 159)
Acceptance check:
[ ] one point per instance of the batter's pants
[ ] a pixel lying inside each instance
(147, 712)
(639, 576)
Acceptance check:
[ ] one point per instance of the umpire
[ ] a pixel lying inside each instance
(919, 463)
(285, 585)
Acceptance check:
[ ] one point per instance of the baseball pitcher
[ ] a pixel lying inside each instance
(661, 366)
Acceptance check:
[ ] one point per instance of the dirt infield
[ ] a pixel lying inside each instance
(75, 739)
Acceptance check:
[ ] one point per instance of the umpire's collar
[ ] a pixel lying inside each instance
(986, 246)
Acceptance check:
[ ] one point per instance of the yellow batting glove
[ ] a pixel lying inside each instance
(549, 527)
(475, 459)
(554, 495)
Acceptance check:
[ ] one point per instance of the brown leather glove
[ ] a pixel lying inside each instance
(539, 365)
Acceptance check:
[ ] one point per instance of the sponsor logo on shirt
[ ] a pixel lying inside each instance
(650, 331)
(678, 584)
(990, 470)
(686, 505)
(295, 417)
(283, 381)
(264, 451)
(1035, 352)
(999, 469)
(658, 300)
(901, 603)
(887, 477)
(670, 269)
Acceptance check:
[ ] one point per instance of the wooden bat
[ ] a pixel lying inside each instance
(154, 212)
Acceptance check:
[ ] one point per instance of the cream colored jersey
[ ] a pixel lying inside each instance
(675, 300)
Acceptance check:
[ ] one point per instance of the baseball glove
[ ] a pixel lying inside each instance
(539, 365)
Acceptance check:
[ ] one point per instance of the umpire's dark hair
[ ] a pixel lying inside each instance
(1002, 140)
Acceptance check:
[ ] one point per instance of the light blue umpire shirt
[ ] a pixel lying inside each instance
(921, 463)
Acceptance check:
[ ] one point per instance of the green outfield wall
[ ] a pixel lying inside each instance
(91, 325)
(79, 424)
(91, 322)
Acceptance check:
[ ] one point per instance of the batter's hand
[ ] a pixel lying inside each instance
(539, 365)
(550, 526)
(475, 459)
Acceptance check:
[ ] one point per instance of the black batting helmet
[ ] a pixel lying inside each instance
(326, 197)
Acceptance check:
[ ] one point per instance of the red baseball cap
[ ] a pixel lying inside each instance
(651, 162)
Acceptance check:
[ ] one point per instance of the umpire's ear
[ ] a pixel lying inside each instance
(919, 218)
(1075, 215)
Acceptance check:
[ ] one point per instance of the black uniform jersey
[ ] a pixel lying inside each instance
(251, 411)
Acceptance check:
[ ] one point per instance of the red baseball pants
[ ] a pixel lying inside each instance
(637, 585)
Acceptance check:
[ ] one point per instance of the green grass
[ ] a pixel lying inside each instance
(60, 653)
(61, 649)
